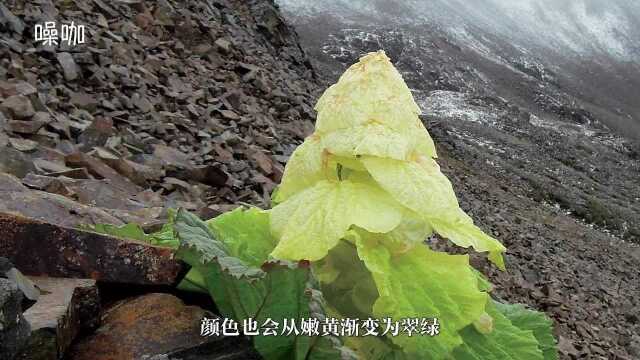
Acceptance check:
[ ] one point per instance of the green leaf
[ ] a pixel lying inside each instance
(224, 251)
(419, 284)
(163, 237)
(313, 221)
(505, 342)
(536, 321)
(245, 233)
(127, 231)
(420, 186)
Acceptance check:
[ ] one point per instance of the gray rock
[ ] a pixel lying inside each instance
(15, 162)
(223, 45)
(7, 18)
(18, 107)
(67, 308)
(69, 67)
(14, 329)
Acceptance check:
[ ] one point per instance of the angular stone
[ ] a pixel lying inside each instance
(39, 248)
(67, 308)
(18, 107)
(53, 208)
(9, 182)
(224, 46)
(139, 174)
(7, 17)
(69, 67)
(229, 114)
(170, 157)
(98, 168)
(79, 173)
(23, 145)
(97, 133)
(209, 174)
(264, 162)
(46, 166)
(16, 88)
(84, 101)
(152, 325)
(14, 329)
(24, 127)
(15, 162)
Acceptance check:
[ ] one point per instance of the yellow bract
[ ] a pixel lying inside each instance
(313, 221)
(368, 136)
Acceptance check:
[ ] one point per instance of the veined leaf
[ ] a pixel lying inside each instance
(505, 342)
(314, 220)
(538, 322)
(276, 290)
(373, 91)
(420, 283)
(244, 238)
(420, 186)
(305, 168)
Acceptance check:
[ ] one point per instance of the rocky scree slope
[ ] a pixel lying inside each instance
(193, 104)
(531, 158)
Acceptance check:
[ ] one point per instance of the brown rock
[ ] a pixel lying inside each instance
(38, 248)
(18, 107)
(53, 208)
(16, 88)
(98, 168)
(24, 127)
(210, 175)
(66, 308)
(264, 162)
(84, 101)
(79, 173)
(224, 46)
(170, 157)
(149, 325)
(97, 133)
(137, 173)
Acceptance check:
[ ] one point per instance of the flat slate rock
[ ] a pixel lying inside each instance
(38, 248)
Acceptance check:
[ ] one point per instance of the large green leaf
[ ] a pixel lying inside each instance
(424, 283)
(505, 342)
(536, 321)
(312, 222)
(275, 290)
(420, 186)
